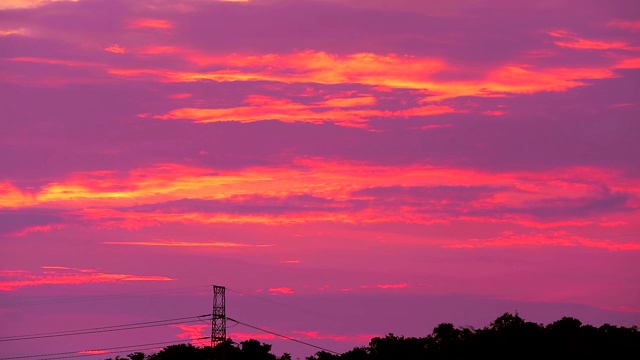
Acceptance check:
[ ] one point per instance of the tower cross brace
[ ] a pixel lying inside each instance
(219, 317)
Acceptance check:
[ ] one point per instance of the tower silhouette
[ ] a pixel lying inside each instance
(219, 317)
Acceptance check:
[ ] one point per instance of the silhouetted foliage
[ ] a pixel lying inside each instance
(507, 337)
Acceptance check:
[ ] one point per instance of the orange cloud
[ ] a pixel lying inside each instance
(390, 71)
(311, 176)
(11, 196)
(387, 71)
(113, 199)
(66, 276)
(261, 108)
(150, 24)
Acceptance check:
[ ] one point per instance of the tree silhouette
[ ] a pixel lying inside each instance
(507, 337)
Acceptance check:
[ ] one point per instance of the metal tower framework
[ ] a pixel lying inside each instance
(219, 317)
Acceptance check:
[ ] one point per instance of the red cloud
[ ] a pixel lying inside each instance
(281, 290)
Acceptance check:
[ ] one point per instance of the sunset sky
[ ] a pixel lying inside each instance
(346, 168)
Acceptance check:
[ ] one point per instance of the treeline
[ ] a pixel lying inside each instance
(508, 337)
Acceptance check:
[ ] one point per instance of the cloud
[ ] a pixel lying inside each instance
(193, 331)
(390, 70)
(242, 336)
(94, 352)
(321, 190)
(559, 238)
(281, 290)
(337, 110)
(26, 4)
(16, 221)
(317, 335)
(173, 243)
(392, 286)
(17, 31)
(567, 40)
(11, 280)
(625, 24)
(150, 24)
(116, 49)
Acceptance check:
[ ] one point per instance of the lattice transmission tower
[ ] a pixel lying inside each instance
(219, 317)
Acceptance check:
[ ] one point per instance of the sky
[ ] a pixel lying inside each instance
(345, 168)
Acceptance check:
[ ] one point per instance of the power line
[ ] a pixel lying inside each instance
(126, 347)
(301, 309)
(111, 328)
(101, 297)
(284, 336)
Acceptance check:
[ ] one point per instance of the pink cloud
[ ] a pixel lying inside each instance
(26, 4)
(316, 335)
(150, 24)
(290, 261)
(242, 336)
(281, 290)
(173, 243)
(194, 331)
(559, 238)
(625, 24)
(15, 279)
(392, 286)
(567, 40)
(94, 352)
(116, 49)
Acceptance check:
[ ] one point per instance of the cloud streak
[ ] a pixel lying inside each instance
(11, 280)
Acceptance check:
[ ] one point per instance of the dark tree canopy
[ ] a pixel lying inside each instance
(507, 337)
